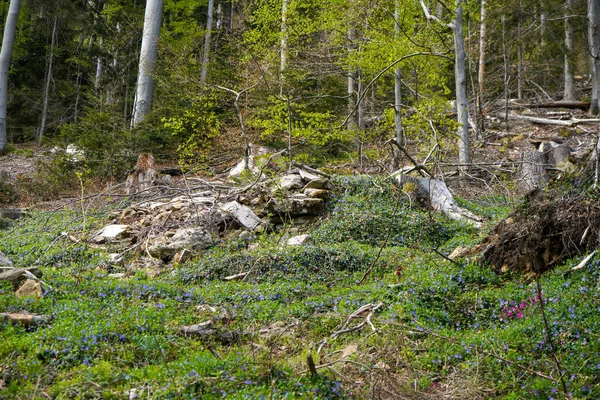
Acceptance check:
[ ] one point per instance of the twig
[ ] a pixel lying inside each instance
(583, 263)
(383, 245)
(549, 336)
(452, 340)
(309, 169)
(371, 308)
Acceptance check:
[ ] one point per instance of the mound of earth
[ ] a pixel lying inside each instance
(546, 230)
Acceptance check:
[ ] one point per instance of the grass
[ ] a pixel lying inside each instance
(445, 329)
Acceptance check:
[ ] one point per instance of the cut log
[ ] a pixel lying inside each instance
(25, 319)
(532, 171)
(557, 104)
(548, 121)
(19, 275)
(542, 121)
(435, 194)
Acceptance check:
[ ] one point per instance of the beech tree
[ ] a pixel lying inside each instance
(5, 54)
(207, 36)
(460, 79)
(594, 49)
(148, 55)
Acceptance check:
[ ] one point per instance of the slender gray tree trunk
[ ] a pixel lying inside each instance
(99, 70)
(398, 88)
(351, 83)
(506, 86)
(148, 55)
(481, 71)
(284, 35)
(361, 101)
(460, 76)
(519, 55)
(207, 37)
(5, 53)
(219, 22)
(569, 93)
(46, 101)
(594, 46)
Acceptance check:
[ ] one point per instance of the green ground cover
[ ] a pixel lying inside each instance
(453, 329)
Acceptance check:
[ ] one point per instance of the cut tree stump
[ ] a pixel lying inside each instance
(532, 172)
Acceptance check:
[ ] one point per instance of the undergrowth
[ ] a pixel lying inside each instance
(445, 329)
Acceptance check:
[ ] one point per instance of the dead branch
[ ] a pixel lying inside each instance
(367, 311)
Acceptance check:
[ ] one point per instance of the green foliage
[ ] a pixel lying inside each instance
(372, 210)
(194, 125)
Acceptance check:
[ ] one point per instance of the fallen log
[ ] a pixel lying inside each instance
(435, 194)
(25, 319)
(542, 121)
(548, 121)
(19, 275)
(557, 104)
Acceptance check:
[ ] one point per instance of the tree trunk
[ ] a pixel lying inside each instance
(481, 72)
(5, 53)
(148, 55)
(519, 55)
(594, 49)
(569, 93)
(219, 22)
(42, 128)
(460, 76)
(99, 70)
(207, 37)
(506, 86)
(284, 36)
(532, 171)
(351, 83)
(398, 91)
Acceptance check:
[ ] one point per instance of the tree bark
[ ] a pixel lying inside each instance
(481, 71)
(99, 70)
(532, 171)
(460, 76)
(569, 93)
(148, 55)
(351, 82)
(594, 47)
(398, 90)
(207, 37)
(519, 55)
(5, 53)
(284, 36)
(42, 128)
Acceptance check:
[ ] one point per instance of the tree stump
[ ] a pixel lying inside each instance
(143, 174)
(532, 172)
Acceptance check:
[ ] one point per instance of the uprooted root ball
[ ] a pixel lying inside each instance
(546, 230)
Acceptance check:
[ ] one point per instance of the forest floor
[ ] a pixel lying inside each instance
(371, 308)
